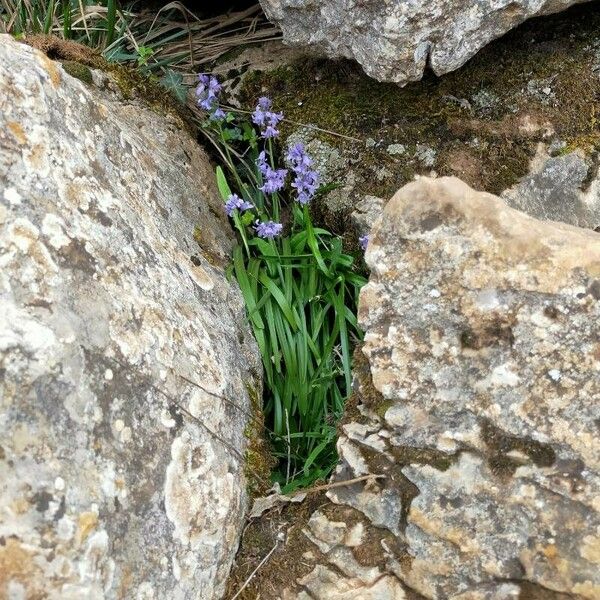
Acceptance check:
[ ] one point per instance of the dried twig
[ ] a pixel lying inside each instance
(336, 484)
(260, 564)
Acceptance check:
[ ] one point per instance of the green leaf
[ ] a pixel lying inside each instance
(242, 276)
(222, 184)
(285, 307)
(173, 81)
(231, 133)
(246, 218)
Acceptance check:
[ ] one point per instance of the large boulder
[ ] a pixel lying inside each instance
(471, 445)
(126, 366)
(482, 337)
(395, 41)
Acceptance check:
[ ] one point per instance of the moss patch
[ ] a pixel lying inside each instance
(79, 71)
(364, 392)
(259, 460)
(484, 121)
(77, 60)
(500, 443)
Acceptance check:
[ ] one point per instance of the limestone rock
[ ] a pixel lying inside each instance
(395, 41)
(118, 477)
(477, 405)
(559, 188)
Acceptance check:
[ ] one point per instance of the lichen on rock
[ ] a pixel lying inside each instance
(397, 41)
(123, 362)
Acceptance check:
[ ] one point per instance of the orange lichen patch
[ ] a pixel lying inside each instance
(87, 522)
(17, 563)
(37, 155)
(17, 130)
(550, 551)
(52, 70)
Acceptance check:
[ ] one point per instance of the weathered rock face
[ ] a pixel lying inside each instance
(395, 41)
(476, 407)
(562, 188)
(482, 337)
(118, 478)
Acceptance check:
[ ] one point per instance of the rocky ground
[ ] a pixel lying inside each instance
(472, 427)
(518, 120)
(534, 93)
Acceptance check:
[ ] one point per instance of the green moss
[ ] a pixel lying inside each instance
(383, 408)
(487, 146)
(78, 60)
(259, 459)
(133, 84)
(78, 70)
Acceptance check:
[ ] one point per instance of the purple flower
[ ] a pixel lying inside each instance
(207, 92)
(268, 230)
(306, 181)
(218, 115)
(363, 240)
(266, 119)
(273, 178)
(262, 163)
(235, 202)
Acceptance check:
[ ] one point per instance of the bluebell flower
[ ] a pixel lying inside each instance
(207, 92)
(363, 240)
(235, 202)
(218, 115)
(268, 230)
(266, 119)
(306, 181)
(274, 179)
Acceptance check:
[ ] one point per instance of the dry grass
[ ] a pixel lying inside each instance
(171, 38)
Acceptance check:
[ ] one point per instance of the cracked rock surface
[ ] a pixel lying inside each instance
(397, 40)
(111, 482)
(476, 399)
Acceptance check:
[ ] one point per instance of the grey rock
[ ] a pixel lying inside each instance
(396, 40)
(366, 213)
(557, 147)
(560, 188)
(477, 410)
(396, 149)
(461, 344)
(118, 478)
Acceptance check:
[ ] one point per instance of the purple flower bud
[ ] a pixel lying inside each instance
(363, 240)
(273, 179)
(264, 103)
(266, 119)
(235, 202)
(207, 92)
(268, 230)
(262, 163)
(218, 115)
(306, 181)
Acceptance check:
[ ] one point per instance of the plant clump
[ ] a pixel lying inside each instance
(300, 287)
